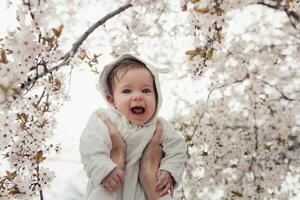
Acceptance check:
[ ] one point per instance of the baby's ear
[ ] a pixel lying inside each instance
(110, 99)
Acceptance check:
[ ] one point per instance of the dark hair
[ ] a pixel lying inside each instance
(124, 65)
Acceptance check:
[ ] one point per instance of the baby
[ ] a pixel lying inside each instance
(127, 151)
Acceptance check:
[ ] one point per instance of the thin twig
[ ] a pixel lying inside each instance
(93, 27)
(41, 97)
(291, 14)
(66, 59)
(29, 8)
(41, 191)
(246, 77)
(284, 96)
(41, 195)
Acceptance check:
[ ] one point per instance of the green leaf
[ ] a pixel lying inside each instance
(236, 194)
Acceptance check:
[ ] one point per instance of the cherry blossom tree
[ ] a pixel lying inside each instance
(243, 137)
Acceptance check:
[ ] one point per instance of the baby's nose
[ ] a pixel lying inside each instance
(137, 97)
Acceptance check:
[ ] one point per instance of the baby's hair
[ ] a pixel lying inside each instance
(123, 66)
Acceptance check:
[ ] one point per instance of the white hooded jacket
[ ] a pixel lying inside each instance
(95, 145)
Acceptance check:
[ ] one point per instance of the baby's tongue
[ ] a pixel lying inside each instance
(137, 110)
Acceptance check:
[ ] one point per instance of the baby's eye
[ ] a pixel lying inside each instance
(126, 91)
(147, 91)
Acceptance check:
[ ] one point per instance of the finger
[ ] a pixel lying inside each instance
(159, 181)
(116, 180)
(159, 126)
(107, 122)
(161, 184)
(165, 190)
(112, 129)
(161, 176)
(113, 185)
(158, 174)
(121, 176)
(172, 190)
(104, 118)
(107, 187)
(158, 132)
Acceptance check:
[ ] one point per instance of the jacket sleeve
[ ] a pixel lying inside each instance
(95, 147)
(174, 149)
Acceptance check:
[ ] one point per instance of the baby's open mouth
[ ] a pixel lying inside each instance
(137, 110)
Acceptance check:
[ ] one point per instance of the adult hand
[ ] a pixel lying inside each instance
(118, 149)
(153, 151)
(149, 164)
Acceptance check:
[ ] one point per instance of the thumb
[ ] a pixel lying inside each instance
(158, 174)
(104, 118)
(158, 132)
(107, 122)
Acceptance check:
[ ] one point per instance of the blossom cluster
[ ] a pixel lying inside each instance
(295, 6)
(29, 98)
(243, 138)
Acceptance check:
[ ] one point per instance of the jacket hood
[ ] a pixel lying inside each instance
(103, 87)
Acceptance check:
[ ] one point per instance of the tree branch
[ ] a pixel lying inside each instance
(28, 4)
(246, 77)
(41, 195)
(291, 14)
(93, 27)
(66, 59)
(284, 96)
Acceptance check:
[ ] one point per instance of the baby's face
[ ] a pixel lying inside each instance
(134, 95)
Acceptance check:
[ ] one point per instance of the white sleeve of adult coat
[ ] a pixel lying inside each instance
(95, 147)
(174, 149)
